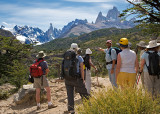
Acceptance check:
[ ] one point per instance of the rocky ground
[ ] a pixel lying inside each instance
(59, 98)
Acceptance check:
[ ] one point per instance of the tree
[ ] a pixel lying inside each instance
(15, 51)
(147, 13)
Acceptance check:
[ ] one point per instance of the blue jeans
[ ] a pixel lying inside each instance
(112, 78)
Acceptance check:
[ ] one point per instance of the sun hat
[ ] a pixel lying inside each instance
(123, 42)
(109, 41)
(74, 46)
(153, 44)
(88, 51)
(41, 54)
(142, 44)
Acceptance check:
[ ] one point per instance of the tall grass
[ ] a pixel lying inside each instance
(127, 101)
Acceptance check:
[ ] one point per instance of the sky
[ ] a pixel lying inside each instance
(40, 13)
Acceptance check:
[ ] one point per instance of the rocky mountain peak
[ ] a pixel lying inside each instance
(100, 18)
(113, 14)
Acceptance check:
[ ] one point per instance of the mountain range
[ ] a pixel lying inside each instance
(77, 27)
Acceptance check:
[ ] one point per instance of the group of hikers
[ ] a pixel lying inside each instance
(122, 65)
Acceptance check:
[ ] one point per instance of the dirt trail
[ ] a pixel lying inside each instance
(59, 97)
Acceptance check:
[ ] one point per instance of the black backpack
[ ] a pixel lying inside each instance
(69, 65)
(154, 64)
(116, 49)
(86, 62)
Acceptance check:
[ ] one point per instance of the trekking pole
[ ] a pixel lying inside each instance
(97, 79)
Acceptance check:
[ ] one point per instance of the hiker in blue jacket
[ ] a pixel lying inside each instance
(110, 62)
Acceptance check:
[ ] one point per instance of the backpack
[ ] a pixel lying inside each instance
(116, 49)
(154, 64)
(36, 69)
(86, 61)
(69, 65)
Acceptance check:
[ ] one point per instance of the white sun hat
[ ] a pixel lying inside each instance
(41, 54)
(88, 51)
(74, 46)
(153, 43)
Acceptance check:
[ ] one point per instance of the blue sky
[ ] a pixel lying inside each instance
(40, 13)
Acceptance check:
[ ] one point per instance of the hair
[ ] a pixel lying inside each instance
(152, 49)
(79, 51)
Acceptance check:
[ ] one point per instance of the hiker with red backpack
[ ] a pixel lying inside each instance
(39, 71)
(73, 73)
(111, 61)
(150, 65)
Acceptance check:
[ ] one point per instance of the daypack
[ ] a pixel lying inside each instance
(86, 62)
(36, 69)
(154, 64)
(116, 49)
(69, 65)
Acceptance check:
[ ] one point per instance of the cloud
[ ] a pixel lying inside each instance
(37, 16)
(88, 0)
(94, 1)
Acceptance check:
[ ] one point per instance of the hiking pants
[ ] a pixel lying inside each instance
(112, 77)
(152, 84)
(79, 87)
(88, 81)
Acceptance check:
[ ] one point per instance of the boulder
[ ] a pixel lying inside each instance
(26, 95)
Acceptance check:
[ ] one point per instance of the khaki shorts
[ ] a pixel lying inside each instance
(38, 82)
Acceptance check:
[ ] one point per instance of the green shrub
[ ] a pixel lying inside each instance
(128, 101)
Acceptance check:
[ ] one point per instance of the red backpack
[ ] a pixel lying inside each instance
(36, 69)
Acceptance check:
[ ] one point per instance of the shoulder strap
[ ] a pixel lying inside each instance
(38, 62)
(110, 51)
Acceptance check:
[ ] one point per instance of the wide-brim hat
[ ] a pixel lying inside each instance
(88, 51)
(142, 44)
(74, 46)
(41, 54)
(153, 44)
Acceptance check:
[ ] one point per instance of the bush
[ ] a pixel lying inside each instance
(117, 101)
(18, 74)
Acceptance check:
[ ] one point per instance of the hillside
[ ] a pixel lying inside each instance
(95, 39)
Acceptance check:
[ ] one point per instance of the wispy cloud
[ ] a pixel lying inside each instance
(94, 1)
(88, 0)
(41, 14)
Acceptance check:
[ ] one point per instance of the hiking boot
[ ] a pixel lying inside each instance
(51, 106)
(38, 107)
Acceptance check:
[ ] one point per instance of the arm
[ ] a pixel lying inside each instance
(118, 65)
(82, 71)
(47, 71)
(114, 57)
(100, 49)
(142, 64)
(90, 62)
(136, 65)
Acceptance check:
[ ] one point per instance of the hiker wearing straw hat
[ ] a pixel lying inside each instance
(142, 47)
(88, 64)
(150, 65)
(127, 65)
(111, 57)
(42, 81)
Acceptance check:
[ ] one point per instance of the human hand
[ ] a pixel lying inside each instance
(112, 71)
